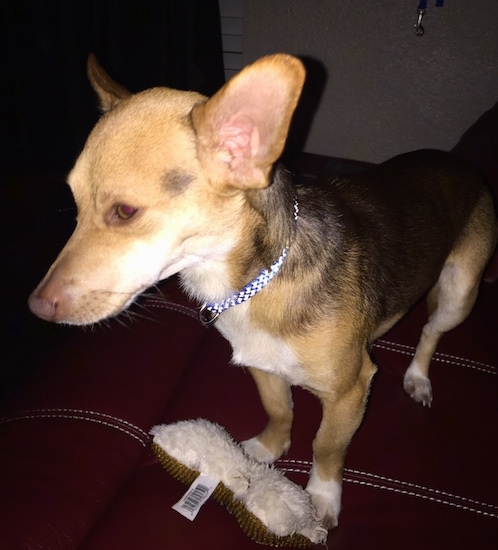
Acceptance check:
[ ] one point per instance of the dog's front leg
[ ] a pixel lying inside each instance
(343, 410)
(275, 439)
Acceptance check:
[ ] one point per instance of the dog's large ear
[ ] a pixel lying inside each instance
(242, 129)
(110, 92)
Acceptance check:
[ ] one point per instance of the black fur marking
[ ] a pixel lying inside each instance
(176, 181)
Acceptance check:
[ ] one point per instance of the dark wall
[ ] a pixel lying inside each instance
(47, 106)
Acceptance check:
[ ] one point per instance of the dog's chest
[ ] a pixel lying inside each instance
(253, 347)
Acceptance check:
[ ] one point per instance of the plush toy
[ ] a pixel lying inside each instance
(269, 508)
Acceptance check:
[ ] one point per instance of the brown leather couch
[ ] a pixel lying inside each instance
(77, 471)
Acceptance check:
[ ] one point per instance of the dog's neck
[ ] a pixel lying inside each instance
(210, 311)
(276, 208)
(251, 264)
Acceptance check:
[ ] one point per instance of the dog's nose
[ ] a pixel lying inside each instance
(45, 309)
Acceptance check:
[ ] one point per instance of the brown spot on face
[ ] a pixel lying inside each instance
(176, 181)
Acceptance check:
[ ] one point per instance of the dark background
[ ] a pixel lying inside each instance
(47, 108)
(47, 104)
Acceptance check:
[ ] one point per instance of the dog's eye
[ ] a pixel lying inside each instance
(125, 211)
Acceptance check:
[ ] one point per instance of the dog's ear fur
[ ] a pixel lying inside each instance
(110, 92)
(242, 129)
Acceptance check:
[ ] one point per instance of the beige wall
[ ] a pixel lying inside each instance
(387, 90)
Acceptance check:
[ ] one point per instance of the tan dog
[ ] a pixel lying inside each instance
(171, 182)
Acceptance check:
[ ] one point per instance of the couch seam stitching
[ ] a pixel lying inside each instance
(438, 356)
(410, 489)
(80, 414)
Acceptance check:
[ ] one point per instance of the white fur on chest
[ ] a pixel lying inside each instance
(253, 347)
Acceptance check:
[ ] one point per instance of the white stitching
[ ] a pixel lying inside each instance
(438, 356)
(397, 481)
(419, 495)
(79, 414)
(381, 344)
(403, 349)
(163, 304)
(413, 486)
(294, 470)
(84, 411)
(421, 487)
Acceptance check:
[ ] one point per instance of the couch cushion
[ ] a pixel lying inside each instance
(77, 461)
(414, 478)
(76, 433)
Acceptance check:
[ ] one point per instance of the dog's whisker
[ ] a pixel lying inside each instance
(122, 322)
(147, 316)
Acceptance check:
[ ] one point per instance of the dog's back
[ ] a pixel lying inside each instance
(377, 241)
(405, 217)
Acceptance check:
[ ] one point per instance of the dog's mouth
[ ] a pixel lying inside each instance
(65, 306)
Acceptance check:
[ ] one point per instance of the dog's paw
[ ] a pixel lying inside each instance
(254, 448)
(326, 498)
(418, 386)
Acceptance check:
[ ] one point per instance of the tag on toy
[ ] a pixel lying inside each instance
(198, 493)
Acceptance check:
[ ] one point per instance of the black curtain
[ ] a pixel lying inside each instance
(46, 103)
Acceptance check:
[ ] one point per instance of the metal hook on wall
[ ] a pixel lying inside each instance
(421, 11)
(419, 30)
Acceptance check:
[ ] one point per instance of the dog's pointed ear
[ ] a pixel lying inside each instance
(110, 92)
(241, 131)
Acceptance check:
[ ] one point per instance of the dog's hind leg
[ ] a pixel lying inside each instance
(450, 302)
(275, 439)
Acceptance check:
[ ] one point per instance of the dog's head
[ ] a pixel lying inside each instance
(160, 185)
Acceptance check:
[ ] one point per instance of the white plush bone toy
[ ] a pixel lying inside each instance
(269, 508)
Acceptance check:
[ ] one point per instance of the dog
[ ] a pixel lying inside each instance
(301, 279)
